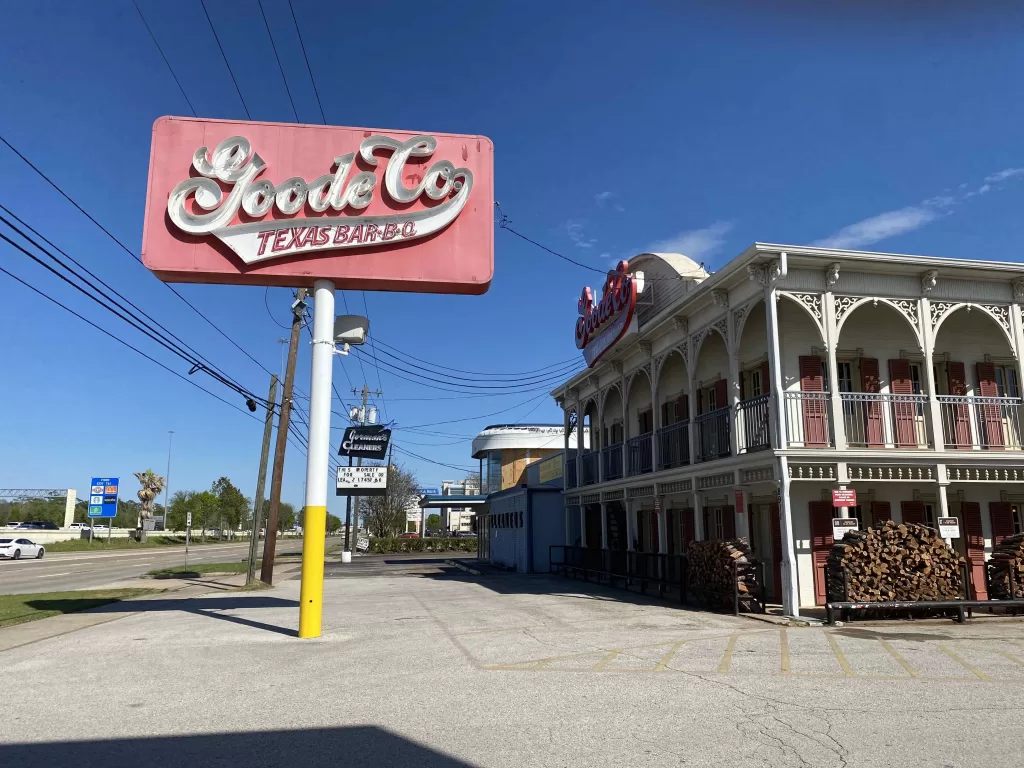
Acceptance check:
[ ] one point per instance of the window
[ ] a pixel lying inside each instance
(844, 369)
(613, 435)
(713, 528)
(1006, 381)
(494, 472)
(756, 389)
(1018, 523)
(857, 513)
(929, 514)
(712, 399)
(915, 378)
(645, 422)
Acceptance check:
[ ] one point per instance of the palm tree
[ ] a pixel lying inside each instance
(151, 484)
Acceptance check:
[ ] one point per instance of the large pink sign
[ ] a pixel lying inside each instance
(283, 204)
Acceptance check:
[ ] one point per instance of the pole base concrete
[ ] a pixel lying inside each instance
(346, 557)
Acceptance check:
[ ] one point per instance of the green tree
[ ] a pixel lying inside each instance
(333, 523)
(232, 505)
(204, 506)
(433, 522)
(285, 516)
(386, 515)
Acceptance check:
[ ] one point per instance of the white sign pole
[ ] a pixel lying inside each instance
(311, 591)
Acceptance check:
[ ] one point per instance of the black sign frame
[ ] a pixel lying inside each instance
(365, 443)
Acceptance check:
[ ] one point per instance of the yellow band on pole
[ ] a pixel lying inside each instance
(311, 593)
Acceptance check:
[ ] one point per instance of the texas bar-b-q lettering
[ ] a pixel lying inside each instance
(234, 164)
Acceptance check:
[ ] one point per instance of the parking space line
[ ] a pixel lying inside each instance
(723, 666)
(899, 658)
(784, 651)
(607, 660)
(1011, 657)
(840, 656)
(662, 664)
(974, 670)
(51, 575)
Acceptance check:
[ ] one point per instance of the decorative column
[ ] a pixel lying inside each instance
(630, 525)
(655, 407)
(600, 441)
(831, 328)
(604, 525)
(790, 585)
(1017, 328)
(583, 524)
(691, 433)
(625, 416)
(698, 515)
(662, 525)
(924, 315)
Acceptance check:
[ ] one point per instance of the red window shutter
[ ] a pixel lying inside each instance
(957, 378)
(665, 415)
(821, 513)
(903, 411)
(913, 511)
(775, 526)
(671, 521)
(958, 417)
(766, 381)
(729, 522)
(655, 540)
(881, 511)
(974, 538)
(1002, 520)
(992, 422)
(721, 395)
(815, 426)
(743, 385)
(683, 408)
(872, 411)
(687, 515)
(700, 401)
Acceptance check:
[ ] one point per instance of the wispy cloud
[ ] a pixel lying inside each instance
(574, 228)
(604, 199)
(697, 244)
(874, 229)
(1003, 175)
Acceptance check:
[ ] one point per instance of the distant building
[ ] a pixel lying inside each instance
(505, 451)
(458, 519)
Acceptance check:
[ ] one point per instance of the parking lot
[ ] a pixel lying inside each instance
(449, 668)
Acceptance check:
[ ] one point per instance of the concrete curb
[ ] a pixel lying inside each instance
(462, 567)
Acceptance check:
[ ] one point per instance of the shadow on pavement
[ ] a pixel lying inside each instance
(199, 606)
(313, 748)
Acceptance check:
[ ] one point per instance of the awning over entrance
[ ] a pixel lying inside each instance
(434, 500)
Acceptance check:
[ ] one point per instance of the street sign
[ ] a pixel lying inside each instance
(103, 497)
(427, 491)
(949, 527)
(362, 481)
(188, 519)
(844, 497)
(842, 525)
(365, 443)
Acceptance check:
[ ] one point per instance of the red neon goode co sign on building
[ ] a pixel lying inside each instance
(602, 324)
(275, 204)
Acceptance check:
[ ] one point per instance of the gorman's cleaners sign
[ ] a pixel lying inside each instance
(365, 443)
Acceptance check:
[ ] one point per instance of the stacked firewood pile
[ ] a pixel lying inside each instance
(709, 566)
(1007, 559)
(894, 561)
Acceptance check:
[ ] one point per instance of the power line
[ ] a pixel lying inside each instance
(534, 379)
(542, 369)
(279, 66)
(121, 341)
(302, 45)
(432, 461)
(224, 56)
(164, 57)
(373, 349)
(125, 316)
(127, 250)
(474, 418)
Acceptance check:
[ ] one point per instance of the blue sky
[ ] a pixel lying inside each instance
(618, 128)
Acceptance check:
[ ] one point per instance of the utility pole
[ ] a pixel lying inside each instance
(167, 482)
(365, 392)
(270, 543)
(261, 481)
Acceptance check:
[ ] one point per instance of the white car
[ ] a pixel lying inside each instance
(19, 548)
(79, 526)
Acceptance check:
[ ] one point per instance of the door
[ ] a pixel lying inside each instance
(811, 380)
(974, 548)
(655, 533)
(1006, 386)
(991, 416)
(913, 512)
(775, 525)
(904, 410)
(686, 516)
(880, 512)
(1002, 517)
(958, 419)
(821, 513)
(872, 414)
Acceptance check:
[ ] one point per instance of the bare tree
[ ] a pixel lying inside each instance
(385, 515)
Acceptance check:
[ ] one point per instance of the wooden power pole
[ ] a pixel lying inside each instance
(261, 481)
(270, 543)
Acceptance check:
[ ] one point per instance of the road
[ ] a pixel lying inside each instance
(60, 571)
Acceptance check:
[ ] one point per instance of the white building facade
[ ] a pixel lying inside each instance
(733, 404)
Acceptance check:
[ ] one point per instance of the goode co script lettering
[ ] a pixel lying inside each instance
(602, 324)
(234, 164)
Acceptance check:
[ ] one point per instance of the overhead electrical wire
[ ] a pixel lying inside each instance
(164, 57)
(279, 66)
(474, 418)
(575, 364)
(542, 369)
(127, 250)
(225, 57)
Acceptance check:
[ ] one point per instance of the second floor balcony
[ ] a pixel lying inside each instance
(639, 454)
(714, 430)
(611, 462)
(981, 423)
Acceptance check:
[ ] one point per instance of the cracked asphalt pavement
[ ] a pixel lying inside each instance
(422, 664)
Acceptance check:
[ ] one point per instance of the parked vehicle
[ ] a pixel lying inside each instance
(79, 526)
(37, 525)
(15, 549)
(408, 535)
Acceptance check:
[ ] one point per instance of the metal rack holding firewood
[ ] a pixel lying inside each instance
(894, 569)
(722, 573)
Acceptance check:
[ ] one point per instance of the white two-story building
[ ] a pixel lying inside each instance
(734, 403)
